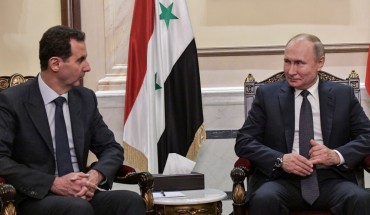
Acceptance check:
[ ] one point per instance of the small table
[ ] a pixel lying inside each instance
(205, 202)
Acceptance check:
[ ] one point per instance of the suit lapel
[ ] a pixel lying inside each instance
(74, 105)
(327, 101)
(286, 102)
(36, 110)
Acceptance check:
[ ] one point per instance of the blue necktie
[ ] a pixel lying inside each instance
(63, 155)
(309, 184)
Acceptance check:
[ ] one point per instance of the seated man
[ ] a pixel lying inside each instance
(305, 137)
(47, 127)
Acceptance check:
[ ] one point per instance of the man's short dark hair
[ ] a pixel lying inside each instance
(55, 42)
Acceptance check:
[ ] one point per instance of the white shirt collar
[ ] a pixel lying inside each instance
(48, 94)
(313, 90)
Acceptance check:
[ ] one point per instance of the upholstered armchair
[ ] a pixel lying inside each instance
(145, 180)
(244, 167)
(125, 174)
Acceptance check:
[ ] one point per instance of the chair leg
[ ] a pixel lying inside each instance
(10, 209)
(238, 176)
(239, 209)
(7, 196)
(146, 189)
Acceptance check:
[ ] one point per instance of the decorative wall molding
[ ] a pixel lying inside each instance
(217, 96)
(276, 50)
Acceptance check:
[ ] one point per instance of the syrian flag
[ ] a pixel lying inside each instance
(163, 105)
(367, 78)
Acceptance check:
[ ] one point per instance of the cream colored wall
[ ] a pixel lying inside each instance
(92, 21)
(231, 71)
(22, 24)
(266, 23)
(221, 23)
(234, 23)
(107, 26)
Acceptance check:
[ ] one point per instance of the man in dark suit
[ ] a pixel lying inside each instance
(270, 138)
(30, 134)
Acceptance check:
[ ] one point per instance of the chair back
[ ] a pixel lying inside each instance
(7, 191)
(250, 85)
(15, 79)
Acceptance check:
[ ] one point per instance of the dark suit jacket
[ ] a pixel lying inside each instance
(26, 148)
(269, 129)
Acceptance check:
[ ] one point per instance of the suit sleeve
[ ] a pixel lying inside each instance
(27, 180)
(250, 141)
(105, 147)
(357, 145)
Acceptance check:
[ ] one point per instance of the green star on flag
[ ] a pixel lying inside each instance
(157, 86)
(167, 14)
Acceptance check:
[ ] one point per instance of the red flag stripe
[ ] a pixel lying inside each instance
(141, 31)
(367, 79)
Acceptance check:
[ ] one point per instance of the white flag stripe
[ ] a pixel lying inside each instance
(172, 41)
(138, 131)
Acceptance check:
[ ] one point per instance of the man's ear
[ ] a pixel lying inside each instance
(54, 63)
(321, 63)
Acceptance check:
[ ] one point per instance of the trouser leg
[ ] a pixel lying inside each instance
(118, 202)
(55, 205)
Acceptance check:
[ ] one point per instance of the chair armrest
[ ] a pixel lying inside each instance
(242, 169)
(128, 175)
(238, 176)
(123, 171)
(7, 197)
(245, 164)
(145, 180)
(366, 163)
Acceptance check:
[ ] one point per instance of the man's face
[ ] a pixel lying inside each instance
(300, 65)
(73, 69)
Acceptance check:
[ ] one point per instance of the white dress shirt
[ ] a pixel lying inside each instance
(48, 95)
(313, 98)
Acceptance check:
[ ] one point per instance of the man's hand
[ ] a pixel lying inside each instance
(95, 177)
(69, 185)
(319, 155)
(322, 155)
(77, 184)
(91, 184)
(297, 164)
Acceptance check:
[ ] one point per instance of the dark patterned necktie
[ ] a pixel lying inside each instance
(309, 184)
(63, 155)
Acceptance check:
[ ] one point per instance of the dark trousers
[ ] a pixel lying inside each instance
(279, 197)
(116, 202)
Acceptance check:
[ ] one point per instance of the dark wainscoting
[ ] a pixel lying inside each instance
(221, 134)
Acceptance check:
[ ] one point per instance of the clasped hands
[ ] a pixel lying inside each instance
(319, 155)
(77, 184)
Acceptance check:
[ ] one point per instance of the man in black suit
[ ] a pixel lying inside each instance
(28, 155)
(270, 139)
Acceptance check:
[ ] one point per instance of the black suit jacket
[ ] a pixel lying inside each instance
(269, 129)
(26, 148)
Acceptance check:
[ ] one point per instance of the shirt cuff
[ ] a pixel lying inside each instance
(103, 182)
(342, 161)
